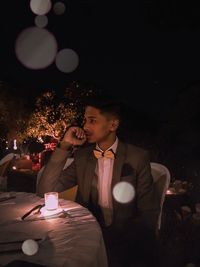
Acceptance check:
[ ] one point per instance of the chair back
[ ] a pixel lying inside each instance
(161, 176)
(8, 157)
(4, 169)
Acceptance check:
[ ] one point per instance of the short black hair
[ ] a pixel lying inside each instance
(106, 103)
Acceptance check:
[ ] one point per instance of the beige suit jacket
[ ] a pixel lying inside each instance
(131, 165)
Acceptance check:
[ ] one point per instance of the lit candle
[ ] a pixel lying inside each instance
(51, 200)
(169, 192)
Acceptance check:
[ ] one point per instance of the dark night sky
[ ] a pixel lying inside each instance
(144, 51)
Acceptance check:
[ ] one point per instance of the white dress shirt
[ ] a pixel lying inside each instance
(104, 171)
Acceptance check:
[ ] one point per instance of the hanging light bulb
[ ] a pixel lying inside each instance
(15, 144)
(7, 145)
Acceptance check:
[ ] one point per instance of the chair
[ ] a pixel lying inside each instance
(161, 178)
(69, 194)
(6, 158)
(4, 169)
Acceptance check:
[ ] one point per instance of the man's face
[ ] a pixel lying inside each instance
(98, 126)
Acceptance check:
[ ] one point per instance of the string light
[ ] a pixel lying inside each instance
(15, 144)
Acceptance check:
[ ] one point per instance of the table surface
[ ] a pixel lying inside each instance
(72, 240)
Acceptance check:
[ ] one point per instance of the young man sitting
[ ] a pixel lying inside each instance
(102, 162)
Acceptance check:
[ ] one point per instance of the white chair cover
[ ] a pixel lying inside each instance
(161, 177)
(8, 157)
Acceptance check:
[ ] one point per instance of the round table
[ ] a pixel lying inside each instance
(72, 240)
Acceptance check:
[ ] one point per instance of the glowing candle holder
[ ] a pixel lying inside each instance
(51, 200)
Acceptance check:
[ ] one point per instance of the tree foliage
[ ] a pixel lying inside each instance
(14, 112)
(54, 113)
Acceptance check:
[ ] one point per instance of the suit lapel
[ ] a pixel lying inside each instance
(117, 168)
(91, 162)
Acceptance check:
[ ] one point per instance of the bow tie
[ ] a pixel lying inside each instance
(107, 154)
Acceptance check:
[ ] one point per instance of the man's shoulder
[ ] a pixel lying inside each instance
(137, 155)
(136, 149)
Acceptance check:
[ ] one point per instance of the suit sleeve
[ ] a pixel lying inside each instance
(54, 178)
(147, 203)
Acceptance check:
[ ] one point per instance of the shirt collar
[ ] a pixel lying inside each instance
(113, 147)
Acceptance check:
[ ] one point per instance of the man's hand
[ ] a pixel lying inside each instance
(74, 136)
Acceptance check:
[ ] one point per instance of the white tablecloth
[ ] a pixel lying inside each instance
(73, 241)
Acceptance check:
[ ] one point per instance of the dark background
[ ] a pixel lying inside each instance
(144, 51)
(147, 53)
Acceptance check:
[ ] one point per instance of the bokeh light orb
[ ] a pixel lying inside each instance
(40, 7)
(123, 192)
(41, 21)
(67, 60)
(59, 8)
(30, 247)
(36, 48)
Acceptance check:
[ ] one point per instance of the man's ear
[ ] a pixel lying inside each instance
(114, 125)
